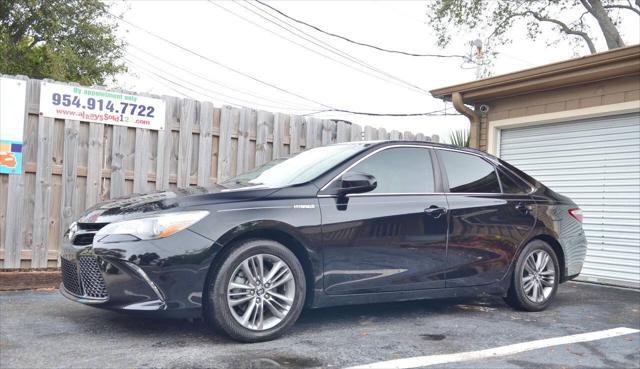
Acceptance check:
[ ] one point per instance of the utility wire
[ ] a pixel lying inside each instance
(160, 73)
(329, 108)
(326, 46)
(219, 63)
(440, 112)
(357, 42)
(403, 83)
(283, 104)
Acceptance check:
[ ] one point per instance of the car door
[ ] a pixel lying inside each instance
(486, 226)
(392, 238)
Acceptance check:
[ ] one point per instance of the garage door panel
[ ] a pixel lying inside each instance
(577, 128)
(569, 159)
(553, 145)
(595, 152)
(597, 164)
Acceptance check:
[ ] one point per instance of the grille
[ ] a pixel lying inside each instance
(91, 277)
(83, 239)
(88, 282)
(70, 277)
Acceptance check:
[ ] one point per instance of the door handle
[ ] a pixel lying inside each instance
(435, 211)
(524, 209)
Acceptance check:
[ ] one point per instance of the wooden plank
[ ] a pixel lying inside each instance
(370, 133)
(343, 131)
(94, 164)
(165, 142)
(14, 237)
(265, 120)
(141, 160)
(295, 130)
(382, 134)
(204, 148)
(42, 206)
(69, 171)
(279, 122)
(328, 127)
(408, 136)
(224, 146)
(29, 152)
(395, 135)
(356, 132)
(187, 121)
(248, 118)
(313, 133)
(118, 150)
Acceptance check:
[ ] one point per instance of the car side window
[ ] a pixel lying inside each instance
(510, 185)
(400, 170)
(469, 173)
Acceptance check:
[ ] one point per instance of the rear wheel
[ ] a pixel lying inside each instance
(535, 278)
(257, 292)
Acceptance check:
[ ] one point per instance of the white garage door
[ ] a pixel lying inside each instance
(596, 163)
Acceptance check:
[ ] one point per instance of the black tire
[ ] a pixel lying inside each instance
(516, 296)
(217, 311)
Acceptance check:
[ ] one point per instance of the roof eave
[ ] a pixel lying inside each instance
(606, 65)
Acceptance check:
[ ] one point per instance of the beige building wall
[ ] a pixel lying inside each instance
(612, 91)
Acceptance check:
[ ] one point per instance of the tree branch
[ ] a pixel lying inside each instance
(637, 11)
(564, 27)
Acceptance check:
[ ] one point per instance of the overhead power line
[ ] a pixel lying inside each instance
(211, 60)
(280, 103)
(440, 112)
(325, 46)
(358, 42)
(215, 95)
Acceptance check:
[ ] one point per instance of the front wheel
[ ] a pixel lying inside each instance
(535, 278)
(257, 292)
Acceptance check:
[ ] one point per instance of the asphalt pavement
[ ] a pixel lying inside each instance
(41, 329)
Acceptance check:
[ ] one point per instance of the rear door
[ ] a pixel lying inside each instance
(486, 225)
(392, 238)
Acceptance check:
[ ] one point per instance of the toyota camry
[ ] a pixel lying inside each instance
(350, 223)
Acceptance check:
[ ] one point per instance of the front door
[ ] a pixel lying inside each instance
(392, 238)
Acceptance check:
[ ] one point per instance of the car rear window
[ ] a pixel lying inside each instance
(469, 173)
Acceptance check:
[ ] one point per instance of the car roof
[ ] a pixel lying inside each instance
(380, 143)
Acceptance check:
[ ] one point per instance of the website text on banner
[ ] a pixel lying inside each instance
(100, 106)
(12, 113)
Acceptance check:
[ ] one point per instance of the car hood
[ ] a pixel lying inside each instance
(137, 205)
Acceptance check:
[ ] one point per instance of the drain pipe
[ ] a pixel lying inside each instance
(474, 119)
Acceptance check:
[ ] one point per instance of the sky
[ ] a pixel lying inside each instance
(222, 49)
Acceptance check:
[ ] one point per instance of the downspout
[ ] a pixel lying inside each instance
(474, 119)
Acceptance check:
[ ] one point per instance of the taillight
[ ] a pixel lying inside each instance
(576, 213)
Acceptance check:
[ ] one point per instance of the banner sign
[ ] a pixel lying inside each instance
(13, 93)
(100, 106)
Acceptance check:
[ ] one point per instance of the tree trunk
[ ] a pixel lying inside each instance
(609, 30)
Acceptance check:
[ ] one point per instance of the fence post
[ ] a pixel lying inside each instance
(204, 143)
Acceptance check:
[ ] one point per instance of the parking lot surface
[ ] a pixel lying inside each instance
(41, 329)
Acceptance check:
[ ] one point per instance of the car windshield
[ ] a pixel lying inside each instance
(296, 169)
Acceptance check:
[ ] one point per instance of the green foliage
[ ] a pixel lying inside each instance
(66, 40)
(578, 21)
(460, 137)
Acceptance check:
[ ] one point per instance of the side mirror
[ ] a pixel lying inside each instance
(356, 182)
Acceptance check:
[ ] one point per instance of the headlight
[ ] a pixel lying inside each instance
(155, 227)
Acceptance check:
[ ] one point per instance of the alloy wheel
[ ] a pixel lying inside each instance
(261, 292)
(538, 276)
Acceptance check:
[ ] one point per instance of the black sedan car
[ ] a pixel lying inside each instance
(349, 223)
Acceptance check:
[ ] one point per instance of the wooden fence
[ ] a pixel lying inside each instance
(70, 165)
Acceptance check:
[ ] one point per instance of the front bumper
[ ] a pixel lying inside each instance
(156, 275)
